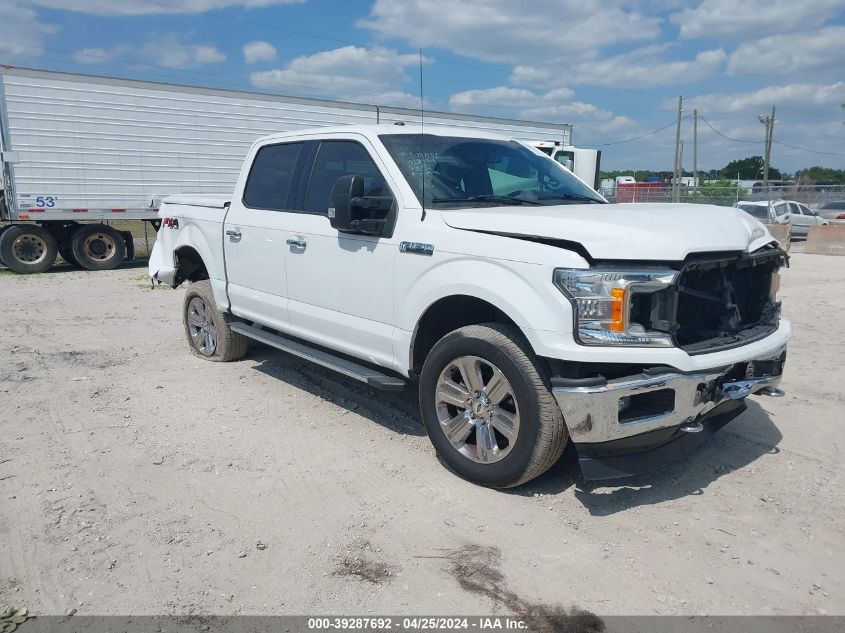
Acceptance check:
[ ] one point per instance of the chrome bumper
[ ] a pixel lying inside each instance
(622, 407)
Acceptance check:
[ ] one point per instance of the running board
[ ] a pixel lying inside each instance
(372, 377)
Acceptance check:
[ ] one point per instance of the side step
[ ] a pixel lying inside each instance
(372, 377)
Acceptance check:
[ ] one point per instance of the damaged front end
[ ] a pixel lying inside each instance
(625, 420)
(631, 424)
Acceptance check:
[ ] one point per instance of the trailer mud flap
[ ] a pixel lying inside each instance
(130, 244)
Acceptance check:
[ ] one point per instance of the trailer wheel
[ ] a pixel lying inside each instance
(27, 248)
(66, 253)
(97, 247)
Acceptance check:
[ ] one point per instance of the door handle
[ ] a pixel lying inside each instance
(234, 235)
(298, 242)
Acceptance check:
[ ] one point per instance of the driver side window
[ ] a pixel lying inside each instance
(336, 159)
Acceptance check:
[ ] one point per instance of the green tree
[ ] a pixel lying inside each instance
(822, 174)
(750, 168)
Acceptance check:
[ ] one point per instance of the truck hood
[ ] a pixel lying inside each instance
(667, 232)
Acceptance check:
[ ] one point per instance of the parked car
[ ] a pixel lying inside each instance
(526, 310)
(833, 211)
(798, 215)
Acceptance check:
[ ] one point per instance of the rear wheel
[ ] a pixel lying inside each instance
(207, 328)
(486, 403)
(97, 247)
(27, 248)
(66, 253)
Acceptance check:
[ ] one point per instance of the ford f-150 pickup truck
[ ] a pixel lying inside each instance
(529, 312)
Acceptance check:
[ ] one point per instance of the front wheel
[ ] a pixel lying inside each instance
(487, 405)
(207, 328)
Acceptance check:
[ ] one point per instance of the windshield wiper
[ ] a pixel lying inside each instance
(487, 198)
(570, 196)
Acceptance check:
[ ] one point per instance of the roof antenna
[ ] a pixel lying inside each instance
(422, 136)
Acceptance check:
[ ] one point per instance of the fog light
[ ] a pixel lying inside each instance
(624, 403)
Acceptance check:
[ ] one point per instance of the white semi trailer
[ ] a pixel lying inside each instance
(78, 152)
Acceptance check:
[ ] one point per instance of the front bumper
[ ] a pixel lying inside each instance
(643, 417)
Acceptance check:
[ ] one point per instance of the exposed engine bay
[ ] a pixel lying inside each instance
(718, 301)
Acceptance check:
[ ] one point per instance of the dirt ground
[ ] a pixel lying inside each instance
(137, 479)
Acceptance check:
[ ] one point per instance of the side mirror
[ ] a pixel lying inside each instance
(345, 191)
(350, 211)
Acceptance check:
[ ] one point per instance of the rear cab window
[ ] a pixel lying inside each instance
(270, 181)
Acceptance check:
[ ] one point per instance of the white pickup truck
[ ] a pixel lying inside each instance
(529, 312)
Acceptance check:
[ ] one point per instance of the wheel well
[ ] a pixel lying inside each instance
(446, 315)
(189, 265)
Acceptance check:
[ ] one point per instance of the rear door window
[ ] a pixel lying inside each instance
(270, 181)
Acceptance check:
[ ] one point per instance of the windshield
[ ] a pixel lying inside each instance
(465, 172)
(758, 211)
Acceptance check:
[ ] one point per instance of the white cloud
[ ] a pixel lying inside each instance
(504, 96)
(22, 35)
(90, 56)
(822, 49)
(170, 50)
(350, 72)
(150, 7)
(259, 52)
(594, 123)
(808, 97)
(715, 19)
(642, 67)
(512, 32)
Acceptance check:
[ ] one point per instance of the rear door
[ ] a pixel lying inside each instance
(800, 222)
(340, 285)
(255, 233)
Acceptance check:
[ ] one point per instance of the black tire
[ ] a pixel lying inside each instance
(542, 433)
(66, 253)
(228, 345)
(97, 247)
(27, 248)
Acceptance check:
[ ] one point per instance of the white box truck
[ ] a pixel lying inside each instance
(80, 151)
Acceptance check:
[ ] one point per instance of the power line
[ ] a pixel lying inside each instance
(739, 140)
(636, 138)
(807, 149)
(736, 140)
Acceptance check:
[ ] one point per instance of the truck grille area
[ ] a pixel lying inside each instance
(717, 302)
(726, 302)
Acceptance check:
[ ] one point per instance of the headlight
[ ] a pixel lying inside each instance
(602, 301)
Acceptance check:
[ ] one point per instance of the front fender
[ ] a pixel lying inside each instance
(523, 291)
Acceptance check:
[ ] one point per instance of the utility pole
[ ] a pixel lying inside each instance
(681, 168)
(769, 122)
(676, 191)
(695, 149)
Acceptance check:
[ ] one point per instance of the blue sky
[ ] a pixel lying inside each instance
(613, 69)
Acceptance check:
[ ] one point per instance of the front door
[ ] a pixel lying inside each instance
(340, 285)
(255, 233)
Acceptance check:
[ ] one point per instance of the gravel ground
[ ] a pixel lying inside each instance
(138, 479)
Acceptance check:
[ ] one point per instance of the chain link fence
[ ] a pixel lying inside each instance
(724, 194)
